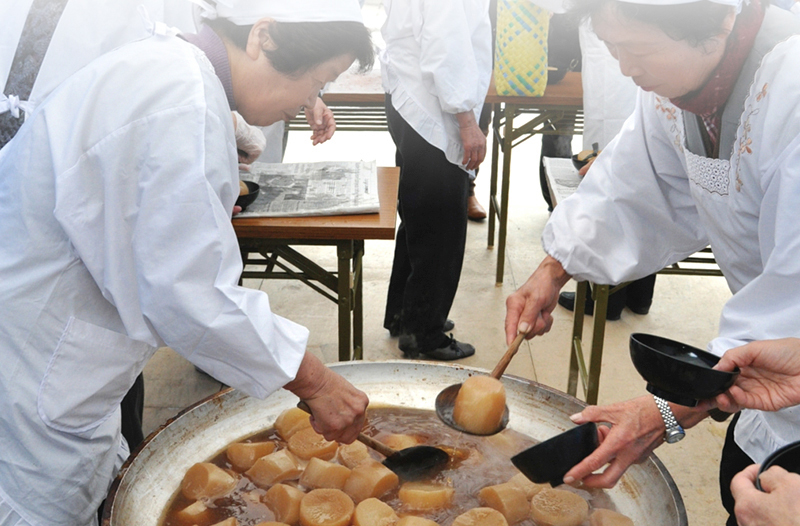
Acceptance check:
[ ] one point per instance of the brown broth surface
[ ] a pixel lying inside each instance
(488, 463)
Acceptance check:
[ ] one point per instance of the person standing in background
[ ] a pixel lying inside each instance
(436, 70)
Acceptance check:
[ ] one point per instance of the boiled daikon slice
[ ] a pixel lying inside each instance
(355, 454)
(326, 507)
(480, 404)
(307, 444)
(371, 479)
(243, 455)
(399, 441)
(291, 421)
(323, 474)
(284, 501)
(373, 512)
(425, 495)
(411, 520)
(558, 507)
(527, 485)
(273, 468)
(480, 517)
(509, 499)
(208, 481)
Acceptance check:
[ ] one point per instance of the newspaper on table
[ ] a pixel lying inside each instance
(562, 177)
(313, 189)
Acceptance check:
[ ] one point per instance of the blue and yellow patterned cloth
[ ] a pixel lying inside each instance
(520, 55)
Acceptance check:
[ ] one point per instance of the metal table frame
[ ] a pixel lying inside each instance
(558, 112)
(273, 239)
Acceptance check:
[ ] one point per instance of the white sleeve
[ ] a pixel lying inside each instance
(633, 214)
(456, 59)
(148, 210)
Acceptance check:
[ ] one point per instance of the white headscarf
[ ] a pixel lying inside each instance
(733, 3)
(248, 12)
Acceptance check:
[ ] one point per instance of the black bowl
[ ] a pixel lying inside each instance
(678, 372)
(550, 460)
(787, 457)
(580, 164)
(247, 199)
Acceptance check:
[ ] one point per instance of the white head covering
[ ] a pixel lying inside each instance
(732, 3)
(248, 12)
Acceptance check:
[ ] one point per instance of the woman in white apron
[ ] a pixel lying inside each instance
(115, 202)
(711, 155)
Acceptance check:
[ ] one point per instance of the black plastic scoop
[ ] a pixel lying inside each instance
(411, 463)
(446, 399)
(550, 460)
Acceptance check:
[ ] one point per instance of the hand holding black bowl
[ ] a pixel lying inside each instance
(247, 199)
(678, 372)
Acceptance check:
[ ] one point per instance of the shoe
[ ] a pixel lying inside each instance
(394, 327)
(638, 309)
(475, 212)
(450, 349)
(567, 300)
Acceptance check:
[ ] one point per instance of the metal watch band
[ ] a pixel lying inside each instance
(674, 430)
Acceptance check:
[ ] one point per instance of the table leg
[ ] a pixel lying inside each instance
(576, 345)
(344, 250)
(495, 132)
(358, 307)
(508, 143)
(600, 296)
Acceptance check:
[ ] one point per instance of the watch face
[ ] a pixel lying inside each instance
(674, 435)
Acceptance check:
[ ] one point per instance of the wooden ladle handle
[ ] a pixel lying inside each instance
(370, 442)
(500, 368)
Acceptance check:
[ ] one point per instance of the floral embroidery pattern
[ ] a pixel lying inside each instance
(746, 141)
(709, 174)
(669, 112)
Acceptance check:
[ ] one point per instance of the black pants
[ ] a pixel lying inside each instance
(429, 249)
(132, 409)
(733, 461)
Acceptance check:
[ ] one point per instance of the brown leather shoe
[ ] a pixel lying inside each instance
(475, 211)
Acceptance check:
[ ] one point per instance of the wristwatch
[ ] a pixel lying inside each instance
(674, 430)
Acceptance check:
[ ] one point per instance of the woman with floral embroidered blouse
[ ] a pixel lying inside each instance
(711, 156)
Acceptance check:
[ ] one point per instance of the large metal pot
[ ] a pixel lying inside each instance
(146, 483)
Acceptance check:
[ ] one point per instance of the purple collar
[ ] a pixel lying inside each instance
(211, 44)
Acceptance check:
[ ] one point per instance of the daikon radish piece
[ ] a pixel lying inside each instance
(291, 421)
(230, 521)
(208, 481)
(558, 507)
(371, 479)
(284, 501)
(373, 512)
(480, 517)
(243, 189)
(195, 513)
(411, 520)
(509, 499)
(480, 404)
(243, 455)
(323, 474)
(527, 485)
(326, 507)
(399, 442)
(603, 517)
(307, 444)
(355, 454)
(272, 523)
(425, 495)
(273, 468)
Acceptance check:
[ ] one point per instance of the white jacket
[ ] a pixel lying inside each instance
(115, 205)
(649, 201)
(437, 62)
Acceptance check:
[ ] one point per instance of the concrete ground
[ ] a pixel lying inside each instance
(685, 308)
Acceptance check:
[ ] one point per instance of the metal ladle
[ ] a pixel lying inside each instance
(411, 463)
(446, 399)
